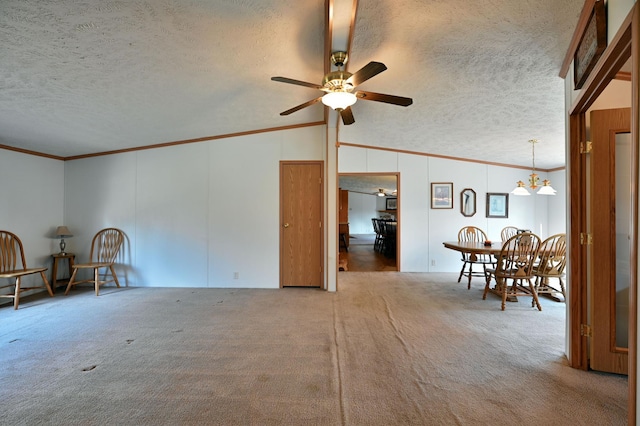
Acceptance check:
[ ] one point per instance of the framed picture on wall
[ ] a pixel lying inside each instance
(441, 195)
(392, 204)
(497, 204)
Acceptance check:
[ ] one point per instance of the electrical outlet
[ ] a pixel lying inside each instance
(433, 262)
(236, 275)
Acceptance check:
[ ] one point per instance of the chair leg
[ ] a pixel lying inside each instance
(534, 293)
(115, 277)
(96, 280)
(486, 288)
(470, 275)
(562, 289)
(504, 288)
(73, 276)
(464, 265)
(16, 295)
(46, 283)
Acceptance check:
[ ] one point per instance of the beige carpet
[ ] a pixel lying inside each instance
(387, 349)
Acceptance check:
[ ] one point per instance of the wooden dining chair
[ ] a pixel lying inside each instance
(515, 262)
(508, 232)
(551, 263)
(14, 266)
(376, 228)
(474, 234)
(104, 251)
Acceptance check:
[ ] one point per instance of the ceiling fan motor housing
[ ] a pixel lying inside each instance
(335, 81)
(339, 58)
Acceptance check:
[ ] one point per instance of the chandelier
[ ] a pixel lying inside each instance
(534, 180)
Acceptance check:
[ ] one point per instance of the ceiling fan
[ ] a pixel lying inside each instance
(382, 193)
(339, 88)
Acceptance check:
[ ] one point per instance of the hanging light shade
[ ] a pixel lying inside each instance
(534, 179)
(546, 188)
(339, 100)
(520, 189)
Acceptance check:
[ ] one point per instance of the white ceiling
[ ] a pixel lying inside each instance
(80, 77)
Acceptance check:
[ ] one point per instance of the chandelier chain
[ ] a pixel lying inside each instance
(533, 153)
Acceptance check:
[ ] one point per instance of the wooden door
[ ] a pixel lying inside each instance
(612, 232)
(343, 219)
(301, 226)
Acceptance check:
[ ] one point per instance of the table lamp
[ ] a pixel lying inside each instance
(63, 232)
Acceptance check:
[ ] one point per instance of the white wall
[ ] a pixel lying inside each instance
(32, 194)
(193, 214)
(362, 207)
(423, 230)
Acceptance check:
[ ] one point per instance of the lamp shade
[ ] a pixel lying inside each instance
(546, 188)
(520, 189)
(339, 100)
(63, 232)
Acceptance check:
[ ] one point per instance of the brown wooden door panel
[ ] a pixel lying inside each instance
(604, 354)
(301, 227)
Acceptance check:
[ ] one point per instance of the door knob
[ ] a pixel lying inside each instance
(286, 225)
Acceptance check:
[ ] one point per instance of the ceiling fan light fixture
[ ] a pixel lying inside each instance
(339, 100)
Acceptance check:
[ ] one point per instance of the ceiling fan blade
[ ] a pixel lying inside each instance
(365, 73)
(298, 82)
(347, 116)
(299, 107)
(381, 97)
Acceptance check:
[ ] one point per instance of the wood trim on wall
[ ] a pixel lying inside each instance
(633, 288)
(621, 75)
(26, 151)
(578, 253)
(447, 157)
(166, 144)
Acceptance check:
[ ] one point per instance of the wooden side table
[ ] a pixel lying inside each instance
(70, 257)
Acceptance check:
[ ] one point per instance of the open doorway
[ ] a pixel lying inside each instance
(369, 221)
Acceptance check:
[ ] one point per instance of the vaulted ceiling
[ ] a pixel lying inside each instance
(79, 77)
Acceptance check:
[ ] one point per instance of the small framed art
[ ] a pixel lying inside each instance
(441, 195)
(392, 204)
(497, 204)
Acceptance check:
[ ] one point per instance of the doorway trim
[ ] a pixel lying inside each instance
(398, 210)
(625, 45)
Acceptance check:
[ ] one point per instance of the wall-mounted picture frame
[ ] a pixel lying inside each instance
(391, 204)
(593, 43)
(442, 195)
(497, 204)
(468, 202)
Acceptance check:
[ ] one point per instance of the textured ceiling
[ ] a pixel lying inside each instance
(79, 77)
(369, 184)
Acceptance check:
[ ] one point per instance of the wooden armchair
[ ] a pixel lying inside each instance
(12, 252)
(551, 264)
(508, 232)
(104, 250)
(515, 263)
(471, 233)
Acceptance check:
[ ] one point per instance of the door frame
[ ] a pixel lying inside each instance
(398, 233)
(625, 45)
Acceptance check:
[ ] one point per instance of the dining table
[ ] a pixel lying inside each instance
(475, 248)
